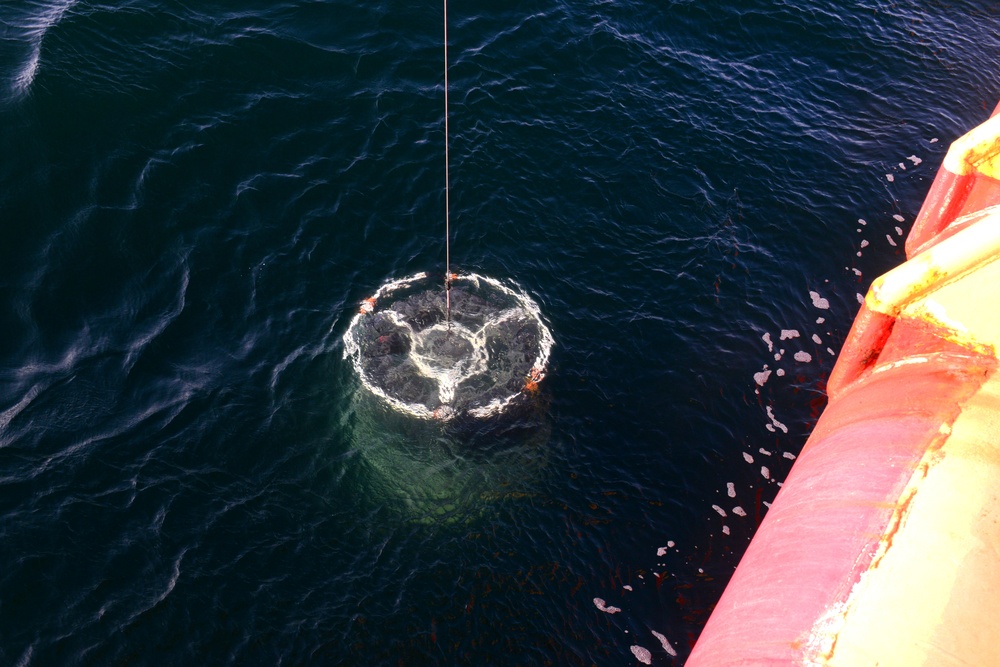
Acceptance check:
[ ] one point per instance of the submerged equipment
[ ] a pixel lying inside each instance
(492, 350)
(472, 348)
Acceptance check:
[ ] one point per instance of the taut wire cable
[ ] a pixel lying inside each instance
(447, 197)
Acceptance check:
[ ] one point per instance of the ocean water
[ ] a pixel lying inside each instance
(195, 197)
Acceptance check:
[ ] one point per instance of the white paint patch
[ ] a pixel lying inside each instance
(739, 511)
(818, 301)
(662, 551)
(817, 339)
(761, 377)
(767, 339)
(889, 239)
(934, 140)
(642, 655)
(764, 452)
(789, 456)
(600, 604)
(718, 509)
(857, 272)
(830, 350)
(915, 160)
(765, 473)
(861, 299)
(861, 221)
(725, 530)
(898, 218)
(747, 457)
(899, 231)
(864, 243)
(890, 178)
(780, 372)
(802, 356)
(671, 544)
(934, 308)
(665, 644)
(730, 489)
(627, 587)
(789, 333)
(820, 320)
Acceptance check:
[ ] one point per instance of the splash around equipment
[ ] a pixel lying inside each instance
(473, 348)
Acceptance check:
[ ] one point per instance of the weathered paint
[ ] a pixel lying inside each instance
(882, 546)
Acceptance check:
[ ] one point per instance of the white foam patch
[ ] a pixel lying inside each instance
(642, 655)
(774, 422)
(802, 356)
(665, 644)
(818, 301)
(603, 606)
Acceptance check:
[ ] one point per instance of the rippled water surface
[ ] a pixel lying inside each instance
(195, 196)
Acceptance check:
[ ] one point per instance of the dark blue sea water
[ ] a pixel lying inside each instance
(194, 197)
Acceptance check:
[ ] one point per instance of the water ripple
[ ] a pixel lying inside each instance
(197, 197)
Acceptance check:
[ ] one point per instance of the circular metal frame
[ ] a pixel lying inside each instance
(492, 349)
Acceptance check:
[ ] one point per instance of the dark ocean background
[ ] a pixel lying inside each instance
(195, 196)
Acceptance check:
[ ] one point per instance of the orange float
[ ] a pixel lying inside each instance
(883, 545)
